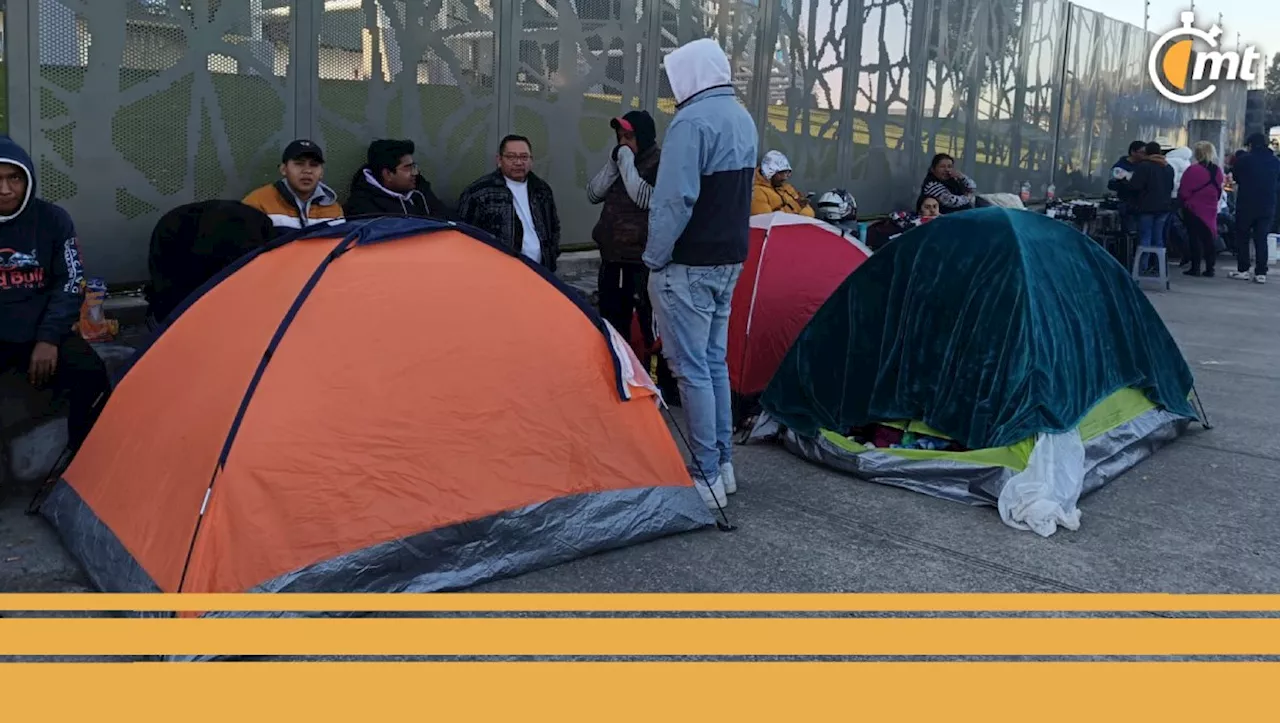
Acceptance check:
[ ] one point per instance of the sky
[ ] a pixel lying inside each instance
(1257, 22)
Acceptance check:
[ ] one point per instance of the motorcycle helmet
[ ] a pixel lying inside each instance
(836, 205)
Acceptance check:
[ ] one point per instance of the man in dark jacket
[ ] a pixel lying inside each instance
(514, 205)
(1152, 189)
(1121, 171)
(1256, 175)
(41, 290)
(389, 184)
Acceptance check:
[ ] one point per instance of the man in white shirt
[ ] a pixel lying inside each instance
(515, 205)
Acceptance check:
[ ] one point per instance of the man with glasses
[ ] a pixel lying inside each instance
(389, 184)
(515, 205)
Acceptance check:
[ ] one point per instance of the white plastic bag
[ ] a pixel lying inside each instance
(1044, 495)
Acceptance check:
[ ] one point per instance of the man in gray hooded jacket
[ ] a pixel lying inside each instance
(698, 229)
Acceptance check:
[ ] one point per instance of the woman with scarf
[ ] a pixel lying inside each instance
(954, 190)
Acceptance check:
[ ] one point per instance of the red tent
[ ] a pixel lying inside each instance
(794, 264)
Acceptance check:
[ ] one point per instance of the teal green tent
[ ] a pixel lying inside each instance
(956, 351)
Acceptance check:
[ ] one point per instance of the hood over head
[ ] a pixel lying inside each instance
(773, 164)
(14, 154)
(642, 125)
(695, 67)
(1182, 153)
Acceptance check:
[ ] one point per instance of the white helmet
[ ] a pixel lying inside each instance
(836, 205)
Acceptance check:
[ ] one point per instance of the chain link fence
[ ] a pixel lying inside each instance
(132, 107)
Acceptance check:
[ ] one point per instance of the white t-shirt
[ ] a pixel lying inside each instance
(530, 245)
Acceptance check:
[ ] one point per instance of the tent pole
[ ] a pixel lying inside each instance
(723, 523)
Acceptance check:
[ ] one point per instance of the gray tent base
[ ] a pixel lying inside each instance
(1107, 456)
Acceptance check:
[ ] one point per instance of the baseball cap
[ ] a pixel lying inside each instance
(622, 123)
(299, 148)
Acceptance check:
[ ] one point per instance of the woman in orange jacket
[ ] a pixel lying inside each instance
(773, 192)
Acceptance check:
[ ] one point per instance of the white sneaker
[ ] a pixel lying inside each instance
(730, 481)
(1241, 275)
(1260, 279)
(714, 496)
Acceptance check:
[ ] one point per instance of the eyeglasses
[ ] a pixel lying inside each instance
(523, 158)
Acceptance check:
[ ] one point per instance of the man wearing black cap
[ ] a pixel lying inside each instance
(298, 199)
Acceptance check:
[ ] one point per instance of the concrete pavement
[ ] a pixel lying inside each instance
(1198, 517)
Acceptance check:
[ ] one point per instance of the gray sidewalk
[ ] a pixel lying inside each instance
(1198, 517)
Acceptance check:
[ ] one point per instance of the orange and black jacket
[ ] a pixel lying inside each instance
(288, 213)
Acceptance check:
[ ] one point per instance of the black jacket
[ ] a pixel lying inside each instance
(193, 243)
(368, 198)
(41, 275)
(1152, 186)
(488, 204)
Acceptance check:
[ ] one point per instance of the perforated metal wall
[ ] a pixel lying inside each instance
(132, 107)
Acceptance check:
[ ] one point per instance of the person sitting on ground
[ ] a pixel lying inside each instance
(954, 190)
(389, 184)
(1152, 187)
(928, 209)
(41, 292)
(1256, 173)
(1199, 194)
(299, 199)
(515, 205)
(773, 191)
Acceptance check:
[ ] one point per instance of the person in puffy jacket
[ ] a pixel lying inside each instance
(1152, 187)
(1199, 194)
(41, 291)
(389, 184)
(1257, 176)
(624, 185)
(699, 229)
(773, 191)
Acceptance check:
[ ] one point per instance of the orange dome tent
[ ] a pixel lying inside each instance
(378, 406)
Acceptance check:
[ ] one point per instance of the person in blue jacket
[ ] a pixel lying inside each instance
(1257, 176)
(41, 290)
(699, 224)
(1121, 173)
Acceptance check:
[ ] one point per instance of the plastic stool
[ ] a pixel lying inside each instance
(1162, 264)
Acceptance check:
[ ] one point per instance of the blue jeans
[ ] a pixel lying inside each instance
(691, 306)
(1151, 227)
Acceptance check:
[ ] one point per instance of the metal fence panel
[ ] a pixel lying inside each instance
(141, 106)
(132, 107)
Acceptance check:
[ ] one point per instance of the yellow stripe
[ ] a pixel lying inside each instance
(640, 602)
(641, 636)
(642, 692)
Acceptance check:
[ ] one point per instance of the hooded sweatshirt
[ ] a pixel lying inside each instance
(369, 197)
(1152, 185)
(701, 207)
(41, 276)
(1179, 159)
(625, 186)
(1256, 175)
(288, 212)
